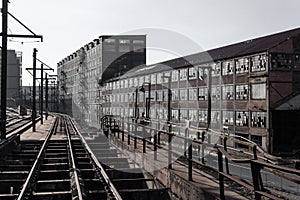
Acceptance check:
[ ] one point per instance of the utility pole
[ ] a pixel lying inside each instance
(3, 69)
(46, 96)
(34, 90)
(4, 35)
(41, 92)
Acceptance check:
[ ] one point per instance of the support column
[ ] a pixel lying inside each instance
(3, 69)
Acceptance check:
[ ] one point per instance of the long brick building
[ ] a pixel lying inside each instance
(251, 89)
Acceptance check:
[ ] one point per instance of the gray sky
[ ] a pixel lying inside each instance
(69, 24)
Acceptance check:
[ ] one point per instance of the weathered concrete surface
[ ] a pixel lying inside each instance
(203, 186)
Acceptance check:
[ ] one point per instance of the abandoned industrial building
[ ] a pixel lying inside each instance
(250, 89)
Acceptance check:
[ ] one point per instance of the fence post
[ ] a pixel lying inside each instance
(170, 146)
(144, 139)
(155, 144)
(158, 133)
(226, 159)
(203, 146)
(256, 177)
(221, 178)
(185, 140)
(135, 139)
(190, 163)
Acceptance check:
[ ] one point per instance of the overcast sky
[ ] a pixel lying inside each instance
(69, 24)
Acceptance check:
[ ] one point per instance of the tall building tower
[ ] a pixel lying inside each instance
(82, 73)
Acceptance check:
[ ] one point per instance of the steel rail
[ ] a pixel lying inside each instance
(74, 168)
(94, 158)
(37, 161)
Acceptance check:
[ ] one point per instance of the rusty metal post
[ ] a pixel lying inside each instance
(4, 69)
(129, 132)
(226, 159)
(155, 145)
(190, 163)
(170, 146)
(255, 178)
(144, 139)
(144, 145)
(203, 146)
(221, 178)
(185, 140)
(158, 133)
(123, 129)
(135, 139)
(135, 142)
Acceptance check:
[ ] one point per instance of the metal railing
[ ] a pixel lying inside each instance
(220, 143)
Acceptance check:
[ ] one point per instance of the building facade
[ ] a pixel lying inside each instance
(14, 77)
(82, 74)
(250, 89)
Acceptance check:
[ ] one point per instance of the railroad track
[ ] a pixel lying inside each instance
(63, 167)
(16, 124)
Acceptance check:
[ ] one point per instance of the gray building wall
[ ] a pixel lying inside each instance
(14, 77)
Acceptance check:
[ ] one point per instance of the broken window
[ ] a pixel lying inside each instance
(183, 94)
(175, 114)
(124, 41)
(192, 73)
(202, 115)
(216, 69)
(147, 79)
(241, 118)
(174, 75)
(193, 115)
(258, 119)
(159, 95)
(175, 96)
(166, 77)
(227, 92)
(159, 78)
(241, 92)
(282, 60)
(141, 80)
(182, 74)
(258, 91)
(203, 73)
(135, 82)
(203, 93)
(183, 114)
(242, 65)
(228, 117)
(215, 117)
(258, 63)
(153, 79)
(193, 94)
(109, 40)
(227, 68)
(215, 93)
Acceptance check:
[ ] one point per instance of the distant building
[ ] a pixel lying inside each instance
(14, 77)
(82, 73)
(27, 94)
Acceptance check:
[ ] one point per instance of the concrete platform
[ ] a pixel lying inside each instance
(41, 130)
(203, 186)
